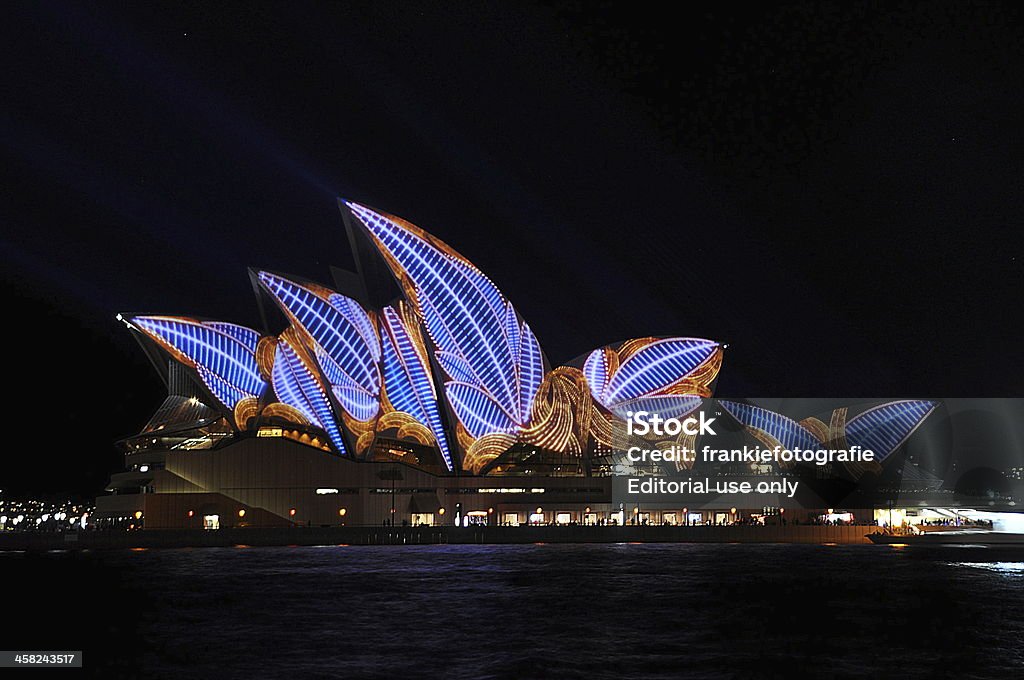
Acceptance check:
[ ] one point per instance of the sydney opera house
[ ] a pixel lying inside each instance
(410, 391)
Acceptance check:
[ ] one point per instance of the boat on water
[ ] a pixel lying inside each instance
(948, 535)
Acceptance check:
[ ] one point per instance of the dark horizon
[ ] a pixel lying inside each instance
(832, 191)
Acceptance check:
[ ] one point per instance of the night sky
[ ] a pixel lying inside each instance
(834, 190)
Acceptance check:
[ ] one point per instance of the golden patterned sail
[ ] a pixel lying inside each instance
(489, 359)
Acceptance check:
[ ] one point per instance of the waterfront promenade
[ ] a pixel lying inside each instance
(381, 535)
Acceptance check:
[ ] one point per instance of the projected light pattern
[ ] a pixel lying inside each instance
(562, 412)
(357, 316)
(246, 336)
(667, 376)
(477, 411)
(366, 377)
(596, 370)
(357, 374)
(222, 354)
(786, 431)
(493, 361)
(647, 371)
(531, 369)
(296, 385)
(884, 428)
(407, 383)
(346, 348)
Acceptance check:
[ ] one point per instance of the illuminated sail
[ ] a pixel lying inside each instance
(346, 346)
(222, 354)
(662, 375)
(407, 382)
(884, 428)
(492, 360)
(296, 384)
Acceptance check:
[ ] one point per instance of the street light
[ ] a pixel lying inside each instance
(393, 474)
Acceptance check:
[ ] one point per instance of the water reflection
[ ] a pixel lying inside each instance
(1008, 568)
(590, 612)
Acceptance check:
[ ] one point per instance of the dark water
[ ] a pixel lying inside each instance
(559, 611)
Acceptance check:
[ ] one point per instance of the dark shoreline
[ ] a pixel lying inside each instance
(373, 535)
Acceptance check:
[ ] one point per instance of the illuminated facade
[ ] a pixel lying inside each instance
(450, 366)
(414, 369)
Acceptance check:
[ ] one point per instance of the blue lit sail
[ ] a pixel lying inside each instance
(531, 369)
(296, 385)
(595, 370)
(512, 330)
(657, 366)
(246, 336)
(493, 361)
(222, 354)
(407, 382)
(347, 348)
(884, 428)
(477, 412)
(647, 368)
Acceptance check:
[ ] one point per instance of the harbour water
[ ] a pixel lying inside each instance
(525, 611)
